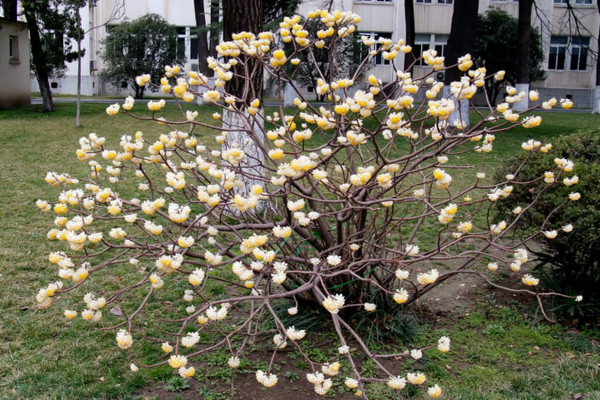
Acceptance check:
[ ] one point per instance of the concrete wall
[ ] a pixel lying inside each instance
(377, 16)
(14, 72)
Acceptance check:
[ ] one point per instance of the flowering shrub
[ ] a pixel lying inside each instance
(571, 261)
(336, 212)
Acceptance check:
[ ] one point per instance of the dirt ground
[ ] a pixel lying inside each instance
(456, 297)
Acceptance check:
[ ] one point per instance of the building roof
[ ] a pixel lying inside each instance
(2, 19)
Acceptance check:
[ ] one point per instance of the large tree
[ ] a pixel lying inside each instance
(409, 23)
(460, 42)
(495, 38)
(202, 34)
(462, 35)
(208, 34)
(523, 52)
(238, 16)
(9, 9)
(142, 46)
(52, 24)
(116, 13)
(596, 104)
(246, 85)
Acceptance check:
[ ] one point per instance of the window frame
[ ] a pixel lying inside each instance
(435, 2)
(568, 53)
(13, 49)
(574, 3)
(435, 41)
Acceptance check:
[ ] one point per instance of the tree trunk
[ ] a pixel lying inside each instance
(202, 36)
(460, 42)
(10, 9)
(523, 52)
(596, 109)
(39, 61)
(238, 16)
(245, 131)
(78, 111)
(214, 30)
(409, 21)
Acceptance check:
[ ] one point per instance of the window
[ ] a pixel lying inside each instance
(589, 2)
(435, 1)
(194, 47)
(579, 53)
(187, 43)
(568, 53)
(426, 41)
(13, 50)
(379, 57)
(181, 45)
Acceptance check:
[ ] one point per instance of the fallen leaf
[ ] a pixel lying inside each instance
(116, 311)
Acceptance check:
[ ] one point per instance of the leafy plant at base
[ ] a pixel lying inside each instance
(333, 219)
(571, 261)
(177, 384)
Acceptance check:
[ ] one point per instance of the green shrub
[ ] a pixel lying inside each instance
(571, 262)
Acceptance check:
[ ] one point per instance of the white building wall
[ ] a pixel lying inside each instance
(94, 16)
(14, 72)
(377, 16)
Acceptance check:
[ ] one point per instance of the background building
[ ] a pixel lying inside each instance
(14, 63)
(570, 54)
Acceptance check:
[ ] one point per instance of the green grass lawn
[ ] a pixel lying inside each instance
(498, 352)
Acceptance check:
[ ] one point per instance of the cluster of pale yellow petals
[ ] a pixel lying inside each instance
(244, 204)
(434, 90)
(441, 108)
(246, 42)
(267, 380)
(478, 76)
(362, 176)
(290, 27)
(156, 105)
(406, 83)
(233, 156)
(169, 264)
(447, 214)
(54, 179)
(443, 179)
(465, 62)
(43, 296)
(531, 145)
(432, 59)
(197, 79)
(278, 58)
(532, 121)
(427, 278)
(402, 102)
(88, 145)
(336, 17)
(463, 90)
(322, 87)
(142, 80)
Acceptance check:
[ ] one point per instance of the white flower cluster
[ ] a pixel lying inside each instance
(334, 303)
